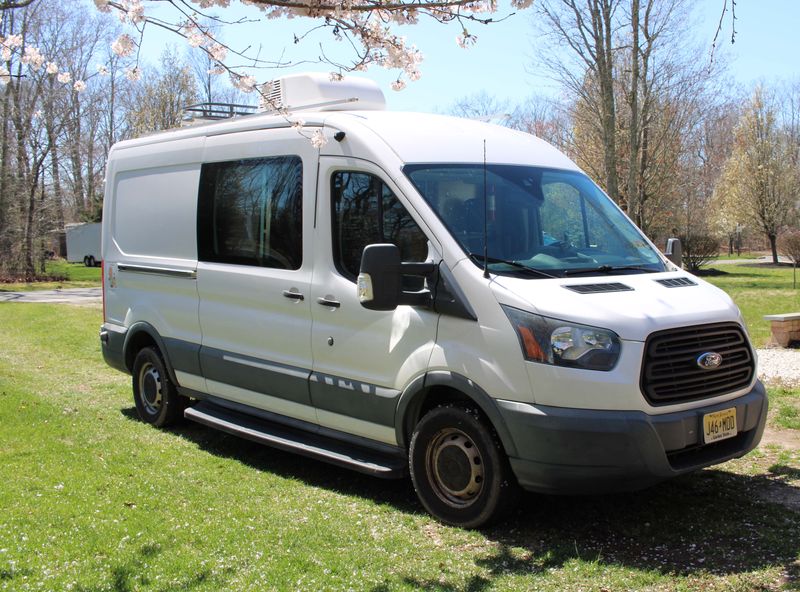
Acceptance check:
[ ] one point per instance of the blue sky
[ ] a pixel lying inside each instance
(767, 48)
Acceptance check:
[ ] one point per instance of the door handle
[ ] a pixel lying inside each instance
(328, 302)
(293, 295)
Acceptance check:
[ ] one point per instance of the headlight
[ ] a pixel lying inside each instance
(551, 341)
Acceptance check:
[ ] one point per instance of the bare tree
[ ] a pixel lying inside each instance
(157, 102)
(50, 164)
(632, 67)
(588, 28)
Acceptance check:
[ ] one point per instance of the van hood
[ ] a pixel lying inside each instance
(633, 306)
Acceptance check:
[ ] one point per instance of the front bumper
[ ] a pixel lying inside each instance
(561, 450)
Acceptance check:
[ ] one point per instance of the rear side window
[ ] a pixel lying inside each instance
(250, 212)
(366, 212)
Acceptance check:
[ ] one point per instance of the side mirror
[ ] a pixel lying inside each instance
(380, 279)
(674, 252)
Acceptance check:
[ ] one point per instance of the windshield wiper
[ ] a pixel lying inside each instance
(478, 258)
(608, 269)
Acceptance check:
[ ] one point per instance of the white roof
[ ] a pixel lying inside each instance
(425, 137)
(413, 137)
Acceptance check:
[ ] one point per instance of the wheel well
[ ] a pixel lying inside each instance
(434, 397)
(135, 344)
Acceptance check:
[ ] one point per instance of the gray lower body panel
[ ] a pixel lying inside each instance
(113, 344)
(564, 450)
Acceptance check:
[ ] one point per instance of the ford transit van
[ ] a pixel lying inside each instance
(414, 294)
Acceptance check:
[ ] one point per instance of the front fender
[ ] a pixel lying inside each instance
(413, 397)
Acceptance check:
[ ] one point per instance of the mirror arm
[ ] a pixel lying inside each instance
(423, 269)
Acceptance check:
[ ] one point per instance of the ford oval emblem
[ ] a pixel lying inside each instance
(709, 360)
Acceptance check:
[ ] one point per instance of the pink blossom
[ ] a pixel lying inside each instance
(79, 86)
(52, 68)
(13, 40)
(195, 38)
(133, 74)
(318, 139)
(32, 57)
(136, 12)
(124, 45)
(64, 77)
(218, 52)
(243, 83)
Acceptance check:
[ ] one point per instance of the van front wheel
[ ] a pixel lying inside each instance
(459, 469)
(157, 401)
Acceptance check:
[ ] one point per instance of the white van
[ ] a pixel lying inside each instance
(421, 294)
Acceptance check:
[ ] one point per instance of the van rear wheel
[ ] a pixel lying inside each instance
(459, 469)
(156, 398)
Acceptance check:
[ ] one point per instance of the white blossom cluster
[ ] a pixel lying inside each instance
(366, 24)
(32, 57)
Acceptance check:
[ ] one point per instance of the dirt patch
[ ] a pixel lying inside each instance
(784, 438)
(780, 481)
(6, 278)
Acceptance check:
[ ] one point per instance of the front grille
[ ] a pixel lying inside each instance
(670, 373)
(599, 288)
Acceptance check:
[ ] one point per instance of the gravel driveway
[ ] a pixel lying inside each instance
(779, 366)
(65, 296)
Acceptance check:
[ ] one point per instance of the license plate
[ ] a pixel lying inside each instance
(719, 425)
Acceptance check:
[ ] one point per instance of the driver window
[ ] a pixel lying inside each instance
(365, 211)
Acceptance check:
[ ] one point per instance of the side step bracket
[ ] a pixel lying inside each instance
(298, 441)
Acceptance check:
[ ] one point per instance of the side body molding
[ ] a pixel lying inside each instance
(413, 397)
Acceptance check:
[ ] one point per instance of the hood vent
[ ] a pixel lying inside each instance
(678, 282)
(599, 288)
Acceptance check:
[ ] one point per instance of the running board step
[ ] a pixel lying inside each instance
(298, 441)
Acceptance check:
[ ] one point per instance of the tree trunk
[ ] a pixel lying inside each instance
(75, 158)
(603, 30)
(773, 245)
(632, 189)
(5, 179)
(30, 232)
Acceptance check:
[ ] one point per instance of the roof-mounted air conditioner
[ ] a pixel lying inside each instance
(315, 90)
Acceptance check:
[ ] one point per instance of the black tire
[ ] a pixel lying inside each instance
(459, 469)
(157, 401)
(86, 261)
(90, 261)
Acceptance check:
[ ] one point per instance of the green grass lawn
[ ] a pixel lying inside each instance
(91, 499)
(758, 290)
(743, 255)
(76, 275)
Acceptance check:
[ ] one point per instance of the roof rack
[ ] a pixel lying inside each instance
(214, 111)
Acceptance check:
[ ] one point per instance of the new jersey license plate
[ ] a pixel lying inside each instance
(719, 425)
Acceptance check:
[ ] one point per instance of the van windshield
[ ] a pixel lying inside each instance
(551, 221)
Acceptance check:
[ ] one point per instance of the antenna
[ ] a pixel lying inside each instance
(485, 218)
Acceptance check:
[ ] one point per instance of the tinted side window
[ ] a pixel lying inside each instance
(365, 212)
(251, 212)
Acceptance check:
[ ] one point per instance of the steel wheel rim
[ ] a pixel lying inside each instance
(455, 468)
(151, 388)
